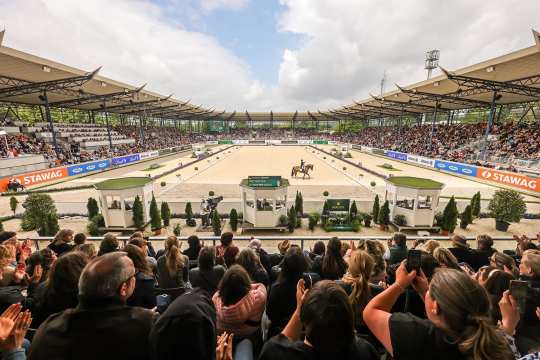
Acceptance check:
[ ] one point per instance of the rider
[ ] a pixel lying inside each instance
(302, 163)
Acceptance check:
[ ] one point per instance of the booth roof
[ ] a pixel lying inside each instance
(122, 183)
(414, 182)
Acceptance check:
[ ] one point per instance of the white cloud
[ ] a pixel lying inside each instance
(210, 5)
(134, 43)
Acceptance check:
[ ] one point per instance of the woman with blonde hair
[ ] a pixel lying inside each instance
(446, 259)
(172, 267)
(60, 243)
(361, 266)
(430, 246)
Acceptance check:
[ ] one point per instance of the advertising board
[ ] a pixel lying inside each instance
(510, 179)
(396, 155)
(36, 177)
(84, 168)
(421, 160)
(457, 168)
(122, 160)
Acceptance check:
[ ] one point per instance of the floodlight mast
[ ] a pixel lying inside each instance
(432, 61)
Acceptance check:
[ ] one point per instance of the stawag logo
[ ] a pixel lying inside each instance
(515, 180)
(42, 177)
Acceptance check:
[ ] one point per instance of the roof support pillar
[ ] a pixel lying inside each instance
(50, 121)
(489, 125)
(104, 107)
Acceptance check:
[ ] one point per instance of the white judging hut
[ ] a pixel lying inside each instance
(413, 201)
(116, 198)
(264, 201)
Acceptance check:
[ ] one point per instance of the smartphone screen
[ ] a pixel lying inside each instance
(414, 260)
(519, 290)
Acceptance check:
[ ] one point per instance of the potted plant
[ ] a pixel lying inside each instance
(313, 219)
(449, 217)
(376, 208)
(325, 193)
(373, 183)
(506, 206)
(177, 230)
(155, 216)
(233, 219)
(367, 220)
(466, 217)
(165, 213)
(400, 220)
(190, 221)
(163, 184)
(384, 216)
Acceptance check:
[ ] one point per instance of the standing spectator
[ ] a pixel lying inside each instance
(239, 303)
(227, 251)
(108, 244)
(173, 267)
(331, 266)
(143, 294)
(252, 264)
(105, 285)
(256, 245)
(61, 241)
(282, 297)
(60, 291)
(207, 275)
(397, 248)
(484, 250)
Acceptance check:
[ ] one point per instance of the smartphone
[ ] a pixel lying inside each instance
(466, 266)
(519, 290)
(308, 280)
(414, 260)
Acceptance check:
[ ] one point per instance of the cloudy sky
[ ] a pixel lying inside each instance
(259, 55)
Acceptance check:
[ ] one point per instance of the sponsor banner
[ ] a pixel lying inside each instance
(377, 151)
(510, 179)
(36, 177)
(320, 142)
(458, 168)
(289, 142)
(421, 160)
(273, 142)
(332, 142)
(84, 168)
(305, 142)
(122, 160)
(256, 142)
(240, 142)
(358, 147)
(341, 205)
(396, 155)
(224, 142)
(365, 148)
(162, 152)
(212, 143)
(149, 154)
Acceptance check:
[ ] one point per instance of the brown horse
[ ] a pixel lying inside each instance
(298, 169)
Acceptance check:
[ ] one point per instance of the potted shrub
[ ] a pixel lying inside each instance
(367, 220)
(344, 168)
(476, 205)
(449, 217)
(384, 216)
(376, 208)
(313, 219)
(325, 193)
(216, 224)
(155, 216)
(283, 221)
(506, 206)
(91, 206)
(373, 183)
(466, 217)
(165, 213)
(177, 230)
(291, 221)
(211, 193)
(400, 220)
(163, 183)
(233, 219)
(190, 221)
(196, 168)
(355, 224)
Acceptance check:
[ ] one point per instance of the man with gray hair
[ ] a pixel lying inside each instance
(102, 326)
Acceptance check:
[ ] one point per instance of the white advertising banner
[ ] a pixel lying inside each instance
(421, 160)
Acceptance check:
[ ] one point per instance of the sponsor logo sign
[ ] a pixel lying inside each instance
(149, 154)
(264, 181)
(36, 177)
(239, 142)
(457, 168)
(88, 167)
(421, 160)
(225, 141)
(122, 160)
(377, 151)
(396, 155)
(305, 142)
(211, 142)
(321, 142)
(510, 179)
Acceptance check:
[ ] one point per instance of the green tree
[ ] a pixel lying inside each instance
(138, 213)
(466, 217)
(376, 208)
(476, 205)
(292, 218)
(313, 219)
(13, 202)
(188, 211)
(92, 207)
(92, 228)
(177, 230)
(216, 223)
(165, 213)
(353, 212)
(233, 219)
(507, 206)
(37, 207)
(155, 216)
(299, 204)
(52, 226)
(384, 214)
(450, 215)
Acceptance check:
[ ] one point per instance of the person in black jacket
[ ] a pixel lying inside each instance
(331, 266)
(143, 295)
(194, 247)
(484, 250)
(251, 262)
(282, 297)
(61, 242)
(207, 275)
(463, 253)
(173, 266)
(60, 291)
(118, 332)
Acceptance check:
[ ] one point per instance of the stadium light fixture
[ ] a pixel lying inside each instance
(490, 69)
(432, 61)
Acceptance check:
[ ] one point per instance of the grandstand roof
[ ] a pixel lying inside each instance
(514, 77)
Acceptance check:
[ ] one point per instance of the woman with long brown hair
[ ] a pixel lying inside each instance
(143, 295)
(458, 324)
(60, 243)
(331, 266)
(361, 266)
(172, 267)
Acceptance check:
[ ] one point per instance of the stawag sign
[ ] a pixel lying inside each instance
(511, 179)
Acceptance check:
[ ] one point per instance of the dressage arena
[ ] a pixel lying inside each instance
(229, 164)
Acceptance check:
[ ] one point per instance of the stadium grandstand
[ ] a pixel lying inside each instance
(81, 154)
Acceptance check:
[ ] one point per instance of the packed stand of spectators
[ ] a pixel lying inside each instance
(338, 300)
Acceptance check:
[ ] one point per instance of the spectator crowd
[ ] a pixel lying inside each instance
(405, 300)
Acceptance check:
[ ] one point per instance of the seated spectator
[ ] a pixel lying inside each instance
(108, 244)
(252, 264)
(79, 239)
(207, 275)
(173, 267)
(227, 251)
(327, 317)
(397, 249)
(458, 324)
(256, 245)
(60, 291)
(117, 331)
(239, 303)
(89, 250)
(143, 294)
(61, 241)
(143, 245)
(318, 250)
(331, 266)
(496, 284)
(376, 250)
(43, 258)
(430, 246)
(186, 330)
(446, 259)
(484, 250)
(194, 246)
(282, 296)
(463, 253)
(504, 262)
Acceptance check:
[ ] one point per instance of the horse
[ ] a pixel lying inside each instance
(297, 169)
